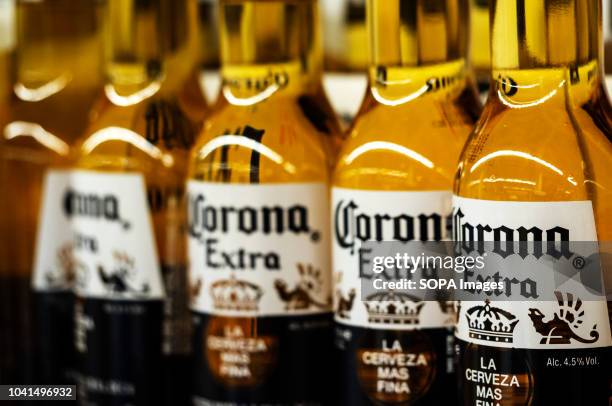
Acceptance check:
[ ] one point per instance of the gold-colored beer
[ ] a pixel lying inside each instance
(420, 83)
(563, 57)
(208, 13)
(542, 146)
(480, 49)
(267, 149)
(593, 114)
(143, 126)
(55, 79)
(7, 47)
(398, 163)
(346, 39)
(607, 29)
(283, 58)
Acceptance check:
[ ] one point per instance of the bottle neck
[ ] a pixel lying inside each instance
(356, 36)
(417, 49)
(542, 48)
(480, 51)
(281, 57)
(7, 46)
(394, 86)
(54, 53)
(152, 48)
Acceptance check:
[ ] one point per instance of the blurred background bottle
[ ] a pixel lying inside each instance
(345, 35)
(346, 55)
(480, 46)
(7, 47)
(55, 77)
(607, 31)
(208, 16)
(133, 324)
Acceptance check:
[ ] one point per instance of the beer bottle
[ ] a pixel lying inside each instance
(607, 29)
(393, 182)
(346, 56)
(56, 77)
(537, 169)
(345, 39)
(480, 43)
(208, 12)
(126, 205)
(7, 46)
(208, 23)
(258, 214)
(593, 113)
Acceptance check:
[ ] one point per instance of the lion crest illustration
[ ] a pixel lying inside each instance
(561, 328)
(119, 281)
(303, 296)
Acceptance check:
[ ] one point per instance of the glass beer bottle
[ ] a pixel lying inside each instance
(126, 205)
(607, 30)
(7, 49)
(480, 42)
(393, 182)
(208, 12)
(346, 56)
(345, 38)
(537, 169)
(258, 213)
(56, 78)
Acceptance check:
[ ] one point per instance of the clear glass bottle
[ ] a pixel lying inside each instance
(607, 29)
(208, 12)
(54, 81)
(345, 35)
(346, 56)
(399, 162)
(480, 42)
(538, 160)
(126, 202)
(258, 213)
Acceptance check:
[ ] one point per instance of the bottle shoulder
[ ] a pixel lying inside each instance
(413, 146)
(280, 140)
(532, 154)
(44, 131)
(153, 135)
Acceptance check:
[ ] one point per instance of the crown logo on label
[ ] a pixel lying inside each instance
(489, 323)
(393, 308)
(234, 294)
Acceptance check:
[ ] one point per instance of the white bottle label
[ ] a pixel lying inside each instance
(54, 264)
(114, 242)
(259, 250)
(360, 216)
(568, 322)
